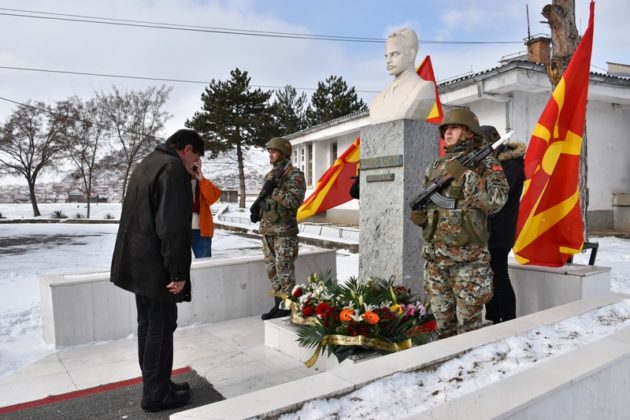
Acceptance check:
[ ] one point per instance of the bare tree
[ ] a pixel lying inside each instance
(84, 139)
(30, 141)
(565, 38)
(135, 119)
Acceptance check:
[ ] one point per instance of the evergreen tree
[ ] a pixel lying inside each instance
(332, 99)
(234, 117)
(288, 109)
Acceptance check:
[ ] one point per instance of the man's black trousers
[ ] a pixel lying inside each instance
(502, 307)
(157, 322)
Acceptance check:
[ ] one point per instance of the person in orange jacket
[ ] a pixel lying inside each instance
(205, 193)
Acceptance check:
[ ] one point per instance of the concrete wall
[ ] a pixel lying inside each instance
(86, 308)
(538, 288)
(589, 382)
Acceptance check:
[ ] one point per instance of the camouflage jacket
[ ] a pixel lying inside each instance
(280, 209)
(461, 234)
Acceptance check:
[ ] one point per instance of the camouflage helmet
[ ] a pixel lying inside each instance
(281, 144)
(461, 116)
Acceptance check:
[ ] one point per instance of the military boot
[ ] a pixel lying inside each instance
(272, 312)
(281, 312)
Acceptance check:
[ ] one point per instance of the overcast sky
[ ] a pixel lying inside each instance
(200, 56)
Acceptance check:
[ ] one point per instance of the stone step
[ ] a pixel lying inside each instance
(281, 335)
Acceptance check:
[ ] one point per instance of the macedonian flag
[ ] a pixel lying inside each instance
(425, 71)
(333, 188)
(550, 229)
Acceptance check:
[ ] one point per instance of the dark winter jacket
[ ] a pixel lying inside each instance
(502, 225)
(154, 236)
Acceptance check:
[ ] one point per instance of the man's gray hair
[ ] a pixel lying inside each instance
(408, 36)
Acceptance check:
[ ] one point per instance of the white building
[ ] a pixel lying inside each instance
(511, 97)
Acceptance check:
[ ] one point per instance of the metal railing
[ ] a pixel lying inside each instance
(315, 229)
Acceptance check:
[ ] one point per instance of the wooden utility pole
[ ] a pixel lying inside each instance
(560, 15)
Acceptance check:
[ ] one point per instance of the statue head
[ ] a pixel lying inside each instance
(401, 48)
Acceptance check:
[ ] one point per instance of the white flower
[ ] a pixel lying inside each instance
(355, 317)
(368, 307)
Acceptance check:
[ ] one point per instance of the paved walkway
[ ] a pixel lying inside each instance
(231, 355)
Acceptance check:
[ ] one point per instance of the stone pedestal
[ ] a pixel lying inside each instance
(621, 211)
(394, 156)
(281, 335)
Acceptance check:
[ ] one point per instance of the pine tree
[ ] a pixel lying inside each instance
(234, 117)
(332, 99)
(288, 109)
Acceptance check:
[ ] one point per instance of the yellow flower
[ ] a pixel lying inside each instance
(397, 308)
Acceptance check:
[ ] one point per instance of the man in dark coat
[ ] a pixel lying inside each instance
(502, 228)
(152, 259)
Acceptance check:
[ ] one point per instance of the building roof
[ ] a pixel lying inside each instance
(337, 121)
(471, 78)
(459, 82)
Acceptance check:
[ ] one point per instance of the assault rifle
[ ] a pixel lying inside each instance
(254, 210)
(440, 182)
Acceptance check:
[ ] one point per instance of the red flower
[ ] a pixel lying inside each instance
(297, 292)
(308, 311)
(322, 309)
(358, 328)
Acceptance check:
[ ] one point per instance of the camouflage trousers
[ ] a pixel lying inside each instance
(280, 254)
(457, 291)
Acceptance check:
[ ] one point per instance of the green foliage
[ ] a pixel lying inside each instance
(233, 115)
(288, 109)
(58, 214)
(375, 309)
(332, 99)
(109, 216)
(78, 216)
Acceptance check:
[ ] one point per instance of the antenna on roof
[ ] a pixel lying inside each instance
(529, 37)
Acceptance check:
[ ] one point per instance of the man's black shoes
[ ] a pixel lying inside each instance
(173, 399)
(180, 386)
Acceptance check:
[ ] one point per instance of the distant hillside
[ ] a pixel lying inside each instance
(223, 171)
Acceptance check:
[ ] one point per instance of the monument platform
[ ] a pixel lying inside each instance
(281, 334)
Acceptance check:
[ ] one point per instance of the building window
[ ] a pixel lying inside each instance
(295, 158)
(309, 175)
(333, 153)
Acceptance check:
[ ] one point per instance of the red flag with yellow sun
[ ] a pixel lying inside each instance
(550, 229)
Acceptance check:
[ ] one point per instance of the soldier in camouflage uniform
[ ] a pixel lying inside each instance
(457, 273)
(278, 223)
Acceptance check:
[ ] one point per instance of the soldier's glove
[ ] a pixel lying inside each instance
(254, 213)
(455, 169)
(418, 217)
(269, 186)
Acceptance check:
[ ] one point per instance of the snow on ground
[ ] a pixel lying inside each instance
(29, 250)
(25, 210)
(406, 394)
